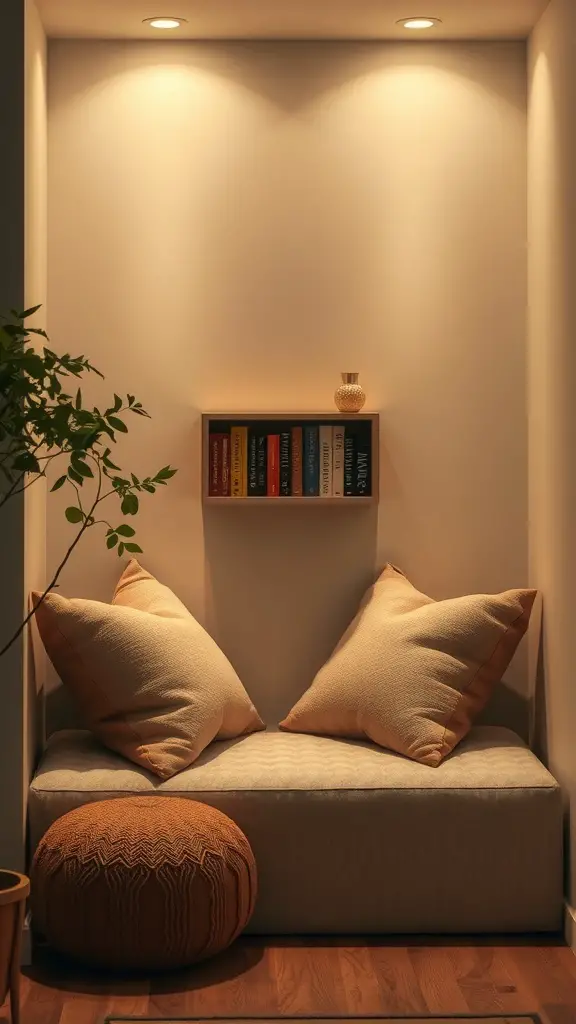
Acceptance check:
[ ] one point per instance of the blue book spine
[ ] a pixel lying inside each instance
(311, 461)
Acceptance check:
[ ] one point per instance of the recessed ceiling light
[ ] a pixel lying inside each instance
(419, 23)
(164, 22)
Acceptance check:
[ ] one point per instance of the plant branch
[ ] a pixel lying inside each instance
(85, 526)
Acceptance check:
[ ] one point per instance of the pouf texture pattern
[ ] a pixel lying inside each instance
(146, 883)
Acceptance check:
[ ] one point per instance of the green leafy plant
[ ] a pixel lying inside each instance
(42, 426)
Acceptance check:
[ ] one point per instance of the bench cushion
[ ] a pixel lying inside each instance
(352, 838)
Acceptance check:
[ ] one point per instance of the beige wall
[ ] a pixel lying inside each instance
(552, 348)
(233, 224)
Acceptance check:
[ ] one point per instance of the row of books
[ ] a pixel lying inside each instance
(291, 460)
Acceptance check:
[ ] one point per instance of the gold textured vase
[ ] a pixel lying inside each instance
(350, 396)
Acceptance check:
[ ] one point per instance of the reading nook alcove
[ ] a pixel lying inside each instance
(224, 207)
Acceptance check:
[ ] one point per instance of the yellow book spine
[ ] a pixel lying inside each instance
(239, 462)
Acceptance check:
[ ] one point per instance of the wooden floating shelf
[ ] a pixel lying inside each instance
(348, 502)
(218, 422)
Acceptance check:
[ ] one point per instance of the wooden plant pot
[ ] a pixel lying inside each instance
(14, 891)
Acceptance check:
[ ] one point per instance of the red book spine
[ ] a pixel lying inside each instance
(297, 461)
(273, 475)
(224, 482)
(215, 450)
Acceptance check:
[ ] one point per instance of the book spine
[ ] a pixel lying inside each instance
(225, 467)
(285, 464)
(252, 464)
(273, 486)
(362, 461)
(349, 463)
(215, 449)
(311, 464)
(239, 462)
(338, 463)
(244, 461)
(261, 464)
(297, 462)
(326, 437)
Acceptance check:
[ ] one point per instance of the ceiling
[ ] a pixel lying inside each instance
(291, 19)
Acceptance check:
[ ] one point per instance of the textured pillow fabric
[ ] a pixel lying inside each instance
(411, 673)
(150, 681)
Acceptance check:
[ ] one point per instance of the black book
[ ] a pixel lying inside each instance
(363, 461)
(261, 457)
(285, 463)
(349, 463)
(252, 464)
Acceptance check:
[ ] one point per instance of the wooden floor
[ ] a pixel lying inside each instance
(294, 977)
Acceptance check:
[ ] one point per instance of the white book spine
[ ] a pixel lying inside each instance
(338, 463)
(326, 439)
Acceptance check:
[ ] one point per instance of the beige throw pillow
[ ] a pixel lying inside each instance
(150, 681)
(411, 673)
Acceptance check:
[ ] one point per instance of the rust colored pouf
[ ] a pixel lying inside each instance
(143, 882)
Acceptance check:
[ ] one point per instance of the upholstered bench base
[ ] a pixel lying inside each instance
(352, 839)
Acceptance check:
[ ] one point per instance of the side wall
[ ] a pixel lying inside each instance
(36, 287)
(552, 394)
(231, 225)
(22, 283)
(12, 532)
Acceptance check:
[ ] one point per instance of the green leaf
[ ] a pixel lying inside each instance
(112, 541)
(26, 462)
(81, 467)
(117, 403)
(117, 424)
(130, 505)
(74, 515)
(120, 550)
(134, 549)
(33, 365)
(78, 402)
(59, 483)
(75, 476)
(29, 312)
(166, 473)
(125, 530)
(131, 400)
(149, 487)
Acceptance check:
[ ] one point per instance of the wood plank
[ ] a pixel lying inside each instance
(546, 975)
(81, 1009)
(309, 979)
(130, 997)
(472, 968)
(41, 1004)
(437, 980)
(400, 990)
(241, 980)
(361, 988)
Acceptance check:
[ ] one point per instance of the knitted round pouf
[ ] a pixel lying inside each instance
(143, 882)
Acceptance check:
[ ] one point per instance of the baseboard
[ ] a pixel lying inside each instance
(570, 926)
(26, 950)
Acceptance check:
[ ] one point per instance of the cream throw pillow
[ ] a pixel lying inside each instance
(411, 673)
(150, 681)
